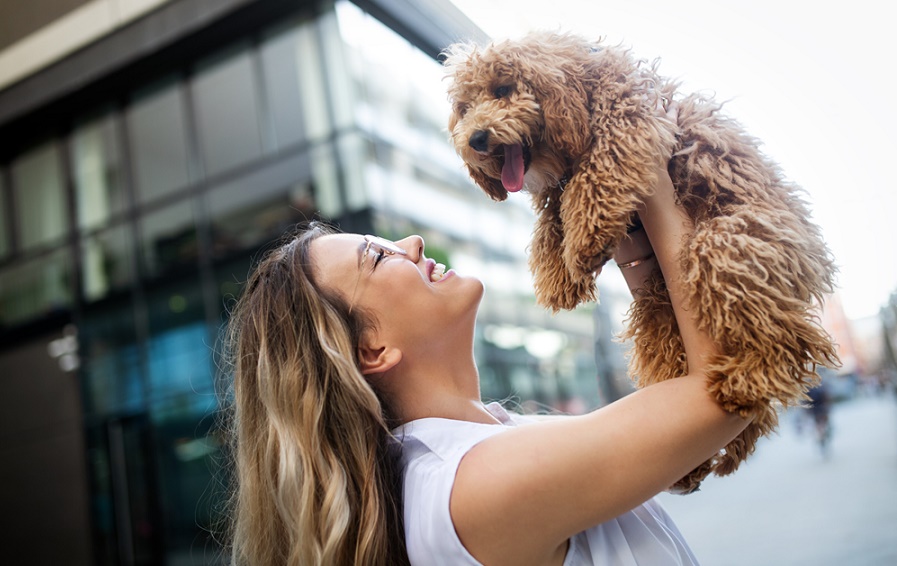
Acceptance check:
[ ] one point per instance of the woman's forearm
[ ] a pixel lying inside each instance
(668, 228)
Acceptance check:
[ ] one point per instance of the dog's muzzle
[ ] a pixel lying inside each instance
(479, 141)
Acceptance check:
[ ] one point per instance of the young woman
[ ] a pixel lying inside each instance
(349, 347)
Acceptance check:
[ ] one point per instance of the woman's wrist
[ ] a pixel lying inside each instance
(636, 260)
(635, 247)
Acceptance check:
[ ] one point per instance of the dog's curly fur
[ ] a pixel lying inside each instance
(583, 116)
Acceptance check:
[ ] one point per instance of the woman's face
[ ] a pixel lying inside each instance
(401, 291)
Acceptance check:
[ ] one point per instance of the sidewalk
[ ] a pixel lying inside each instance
(790, 506)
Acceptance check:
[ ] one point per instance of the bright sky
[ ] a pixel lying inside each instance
(814, 82)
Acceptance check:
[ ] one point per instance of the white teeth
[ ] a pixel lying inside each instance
(438, 272)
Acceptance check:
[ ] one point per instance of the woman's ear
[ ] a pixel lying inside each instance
(377, 359)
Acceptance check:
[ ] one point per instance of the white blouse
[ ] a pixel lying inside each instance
(432, 449)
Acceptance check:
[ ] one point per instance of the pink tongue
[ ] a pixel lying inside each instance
(512, 171)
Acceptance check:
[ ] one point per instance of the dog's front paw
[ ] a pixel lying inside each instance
(558, 289)
(584, 261)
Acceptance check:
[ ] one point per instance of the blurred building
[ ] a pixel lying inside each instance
(888, 317)
(149, 150)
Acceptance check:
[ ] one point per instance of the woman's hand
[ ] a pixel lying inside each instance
(635, 255)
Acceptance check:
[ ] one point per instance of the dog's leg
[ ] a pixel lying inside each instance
(745, 280)
(749, 281)
(596, 207)
(657, 352)
(555, 286)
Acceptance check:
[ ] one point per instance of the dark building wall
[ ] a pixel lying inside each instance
(44, 499)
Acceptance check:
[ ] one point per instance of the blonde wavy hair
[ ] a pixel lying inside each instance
(317, 479)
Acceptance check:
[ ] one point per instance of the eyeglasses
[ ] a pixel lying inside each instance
(382, 247)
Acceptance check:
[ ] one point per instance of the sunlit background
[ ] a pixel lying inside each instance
(151, 150)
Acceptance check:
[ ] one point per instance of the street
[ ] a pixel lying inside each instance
(789, 505)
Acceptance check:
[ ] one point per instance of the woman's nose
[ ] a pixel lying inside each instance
(414, 246)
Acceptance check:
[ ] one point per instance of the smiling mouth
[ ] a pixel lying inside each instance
(435, 271)
(515, 160)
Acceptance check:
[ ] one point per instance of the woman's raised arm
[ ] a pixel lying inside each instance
(518, 496)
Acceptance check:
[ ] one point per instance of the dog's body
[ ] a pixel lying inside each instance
(575, 124)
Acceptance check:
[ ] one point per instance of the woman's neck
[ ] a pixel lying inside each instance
(438, 386)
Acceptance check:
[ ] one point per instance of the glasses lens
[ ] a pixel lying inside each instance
(385, 245)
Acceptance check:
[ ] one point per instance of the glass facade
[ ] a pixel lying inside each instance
(227, 110)
(157, 138)
(140, 222)
(141, 219)
(41, 205)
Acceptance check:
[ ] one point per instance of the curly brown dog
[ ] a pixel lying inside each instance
(575, 124)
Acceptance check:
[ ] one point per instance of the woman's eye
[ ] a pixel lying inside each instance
(380, 255)
(502, 91)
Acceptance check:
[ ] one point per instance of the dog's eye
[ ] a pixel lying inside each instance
(502, 91)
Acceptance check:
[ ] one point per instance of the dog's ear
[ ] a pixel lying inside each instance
(556, 79)
(492, 187)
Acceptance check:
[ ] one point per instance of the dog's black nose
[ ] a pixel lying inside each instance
(479, 141)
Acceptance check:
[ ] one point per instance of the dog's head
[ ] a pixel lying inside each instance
(520, 110)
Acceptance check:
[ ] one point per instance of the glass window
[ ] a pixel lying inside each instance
(35, 288)
(281, 196)
(227, 111)
(169, 238)
(124, 490)
(279, 54)
(312, 91)
(180, 358)
(340, 86)
(106, 262)
(192, 482)
(182, 408)
(326, 178)
(158, 137)
(4, 218)
(39, 196)
(355, 153)
(96, 167)
(113, 380)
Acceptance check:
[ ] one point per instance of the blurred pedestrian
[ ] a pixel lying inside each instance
(820, 412)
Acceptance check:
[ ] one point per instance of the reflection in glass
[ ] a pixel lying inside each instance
(106, 262)
(340, 88)
(242, 220)
(279, 54)
(158, 138)
(39, 198)
(180, 363)
(178, 352)
(227, 111)
(127, 527)
(188, 458)
(97, 176)
(34, 288)
(111, 365)
(312, 94)
(354, 152)
(182, 406)
(326, 178)
(169, 238)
